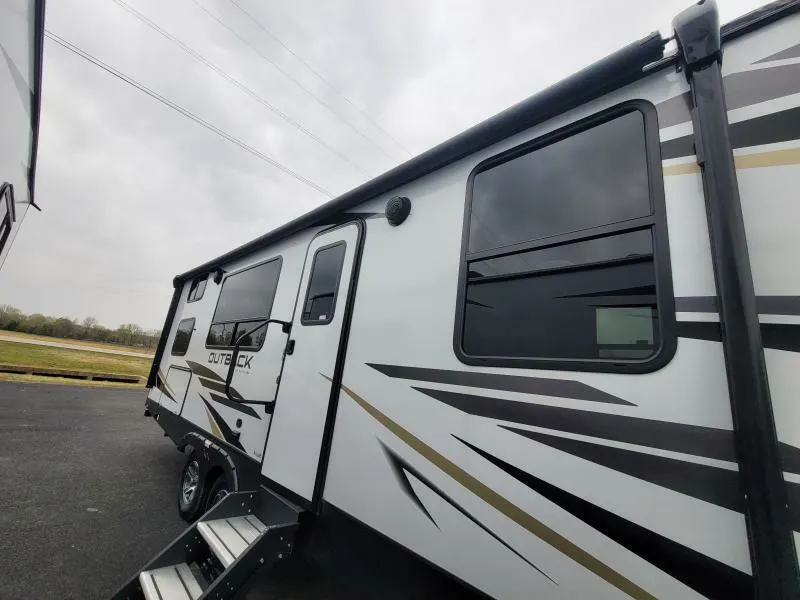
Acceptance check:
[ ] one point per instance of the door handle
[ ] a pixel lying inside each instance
(290, 347)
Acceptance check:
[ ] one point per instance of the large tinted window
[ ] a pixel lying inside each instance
(593, 178)
(182, 337)
(244, 302)
(248, 294)
(323, 284)
(560, 253)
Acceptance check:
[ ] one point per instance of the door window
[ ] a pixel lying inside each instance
(323, 285)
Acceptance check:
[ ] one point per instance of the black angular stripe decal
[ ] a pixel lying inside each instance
(781, 336)
(777, 336)
(399, 466)
(707, 576)
(203, 371)
(700, 330)
(558, 388)
(212, 385)
(793, 494)
(775, 127)
(224, 429)
(237, 406)
(765, 305)
(792, 52)
(741, 89)
(701, 304)
(163, 388)
(677, 437)
(790, 457)
(711, 484)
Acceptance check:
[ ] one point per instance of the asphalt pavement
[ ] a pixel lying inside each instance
(88, 494)
(89, 490)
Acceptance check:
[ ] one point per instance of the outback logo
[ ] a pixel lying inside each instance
(224, 358)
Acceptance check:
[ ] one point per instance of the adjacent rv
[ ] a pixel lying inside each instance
(554, 357)
(21, 41)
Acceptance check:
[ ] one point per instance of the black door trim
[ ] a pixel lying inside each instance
(770, 538)
(338, 370)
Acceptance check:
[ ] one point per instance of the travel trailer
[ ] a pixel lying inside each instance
(21, 44)
(554, 357)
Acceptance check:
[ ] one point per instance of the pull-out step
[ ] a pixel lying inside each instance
(176, 582)
(214, 557)
(229, 538)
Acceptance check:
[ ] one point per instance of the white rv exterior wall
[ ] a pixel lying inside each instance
(769, 197)
(404, 315)
(253, 429)
(482, 525)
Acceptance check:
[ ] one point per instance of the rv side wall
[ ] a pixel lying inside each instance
(537, 403)
(762, 82)
(560, 494)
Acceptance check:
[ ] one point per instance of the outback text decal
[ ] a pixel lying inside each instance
(224, 358)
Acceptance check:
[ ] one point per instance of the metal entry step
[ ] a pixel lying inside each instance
(213, 558)
(229, 538)
(176, 582)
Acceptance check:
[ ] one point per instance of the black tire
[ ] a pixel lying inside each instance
(218, 490)
(191, 488)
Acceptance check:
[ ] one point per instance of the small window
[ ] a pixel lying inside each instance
(245, 301)
(197, 289)
(323, 285)
(560, 251)
(182, 337)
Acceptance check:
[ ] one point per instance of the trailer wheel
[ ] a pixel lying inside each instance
(192, 486)
(219, 489)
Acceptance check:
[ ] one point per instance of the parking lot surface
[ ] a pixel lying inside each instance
(88, 490)
(89, 494)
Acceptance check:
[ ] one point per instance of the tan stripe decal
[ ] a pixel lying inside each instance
(506, 507)
(683, 169)
(775, 158)
(214, 427)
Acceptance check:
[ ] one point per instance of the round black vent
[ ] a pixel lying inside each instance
(397, 210)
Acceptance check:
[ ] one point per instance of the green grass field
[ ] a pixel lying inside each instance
(65, 381)
(90, 344)
(16, 353)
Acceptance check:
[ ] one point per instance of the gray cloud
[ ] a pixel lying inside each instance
(134, 193)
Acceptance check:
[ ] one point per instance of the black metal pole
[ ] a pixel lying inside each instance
(772, 550)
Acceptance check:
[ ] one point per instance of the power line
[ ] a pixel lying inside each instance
(289, 76)
(319, 75)
(197, 56)
(176, 107)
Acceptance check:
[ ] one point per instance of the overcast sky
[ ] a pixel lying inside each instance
(134, 193)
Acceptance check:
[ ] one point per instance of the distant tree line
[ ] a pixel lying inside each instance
(130, 334)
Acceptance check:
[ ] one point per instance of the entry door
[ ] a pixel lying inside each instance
(298, 424)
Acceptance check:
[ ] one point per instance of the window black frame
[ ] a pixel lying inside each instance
(193, 288)
(278, 258)
(172, 349)
(306, 322)
(656, 222)
(7, 197)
